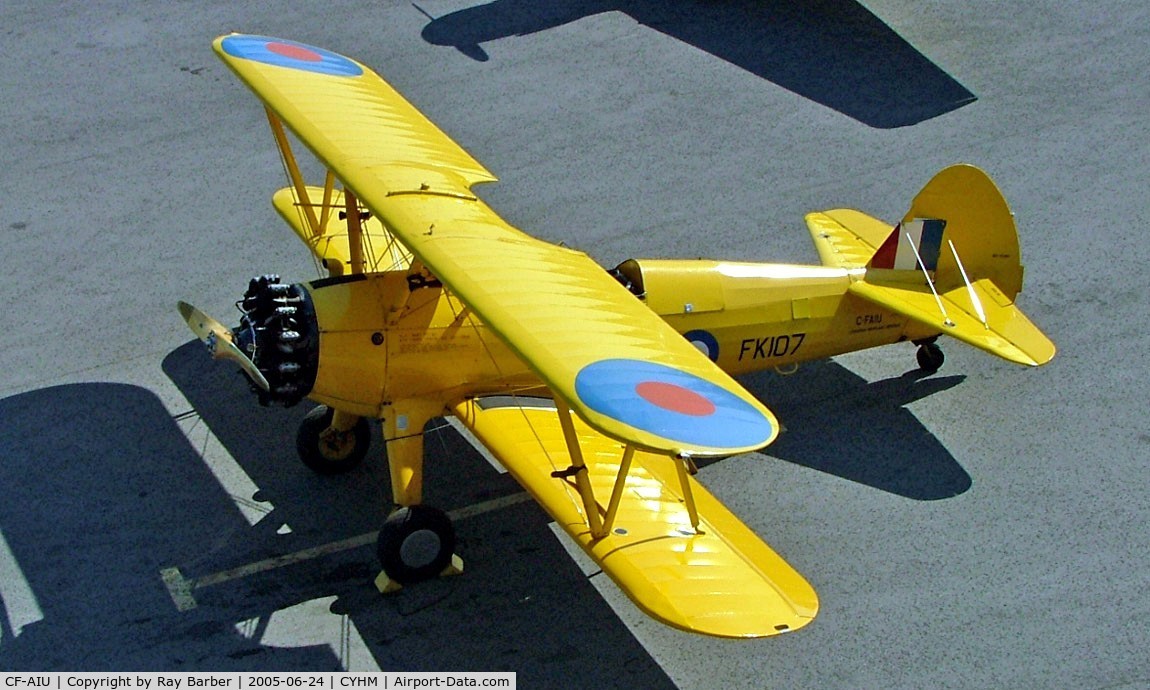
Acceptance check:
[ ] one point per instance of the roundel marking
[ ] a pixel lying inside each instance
(290, 54)
(295, 52)
(675, 398)
(704, 342)
(670, 403)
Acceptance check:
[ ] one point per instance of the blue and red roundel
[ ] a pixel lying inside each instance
(281, 53)
(704, 342)
(670, 403)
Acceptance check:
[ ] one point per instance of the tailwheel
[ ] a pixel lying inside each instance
(930, 357)
(416, 543)
(327, 450)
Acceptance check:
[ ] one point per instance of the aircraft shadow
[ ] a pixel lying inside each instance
(838, 423)
(99, 490)
(833, 52)
(522, 605)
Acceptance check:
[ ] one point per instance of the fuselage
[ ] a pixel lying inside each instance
(383, 339)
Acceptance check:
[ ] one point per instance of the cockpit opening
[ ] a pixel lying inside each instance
(630, 275)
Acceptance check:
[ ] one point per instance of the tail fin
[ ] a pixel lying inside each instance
(953, 263)
(960, 205)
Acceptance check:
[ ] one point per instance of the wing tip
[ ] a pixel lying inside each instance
(286, 53)
(669, 409)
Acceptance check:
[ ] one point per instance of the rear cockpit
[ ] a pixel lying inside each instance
(630, 275)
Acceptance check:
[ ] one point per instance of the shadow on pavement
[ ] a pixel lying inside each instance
(833, 52)
(99, 490)
(838, 423)
(522, 605)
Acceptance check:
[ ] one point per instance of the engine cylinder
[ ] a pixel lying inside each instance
(278, 331)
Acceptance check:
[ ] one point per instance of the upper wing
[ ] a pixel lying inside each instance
(719, 579)
(624, 371)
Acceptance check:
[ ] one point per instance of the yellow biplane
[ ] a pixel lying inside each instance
(596, 389)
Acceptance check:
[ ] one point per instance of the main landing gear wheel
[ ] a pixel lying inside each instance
(330, 451)
(416, 543)
(930, 357)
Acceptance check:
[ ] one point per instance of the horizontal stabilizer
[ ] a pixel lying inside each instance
(719, 580)
(846, 238)
(1006, 331)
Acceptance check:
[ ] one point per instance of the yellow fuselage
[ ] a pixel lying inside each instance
(762, 316)
(382, 341)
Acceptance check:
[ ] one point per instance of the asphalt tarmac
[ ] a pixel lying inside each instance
(982, 527)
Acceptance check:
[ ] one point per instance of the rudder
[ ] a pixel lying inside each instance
(953, 264)
(963, 206)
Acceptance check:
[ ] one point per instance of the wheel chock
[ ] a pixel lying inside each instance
(385, 585)
(455, 567)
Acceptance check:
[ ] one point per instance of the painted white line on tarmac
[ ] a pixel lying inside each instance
(16, 595)
(229, 473)
(182, 589)
(479, 447)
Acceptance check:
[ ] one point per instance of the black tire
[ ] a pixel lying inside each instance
(930, 357)
(415, 544)
(331, 455)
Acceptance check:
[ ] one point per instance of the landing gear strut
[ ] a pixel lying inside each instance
(929, 356)
(417, 542)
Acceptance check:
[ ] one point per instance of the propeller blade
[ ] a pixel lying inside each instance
(218, 338)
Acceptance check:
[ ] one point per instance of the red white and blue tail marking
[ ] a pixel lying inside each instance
(921, 237)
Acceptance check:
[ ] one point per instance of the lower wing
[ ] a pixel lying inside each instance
(716, 578)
